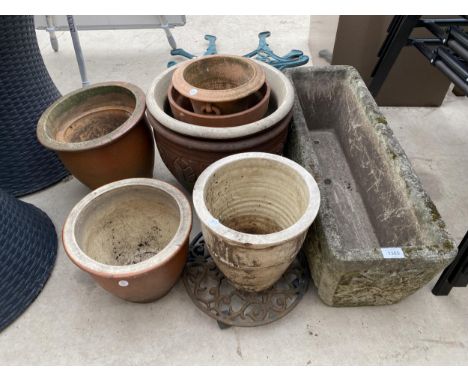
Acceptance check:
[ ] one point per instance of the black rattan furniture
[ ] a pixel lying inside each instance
(28, 248)
(447, 50)
(456, 274)
(26, 90)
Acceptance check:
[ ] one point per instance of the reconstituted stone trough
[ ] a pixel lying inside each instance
(378, 237)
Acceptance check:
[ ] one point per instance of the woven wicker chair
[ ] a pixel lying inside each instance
(26, 90)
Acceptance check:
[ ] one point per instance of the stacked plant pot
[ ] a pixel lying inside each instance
(211, 107)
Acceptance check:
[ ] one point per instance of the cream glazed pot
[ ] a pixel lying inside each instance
(255, 210)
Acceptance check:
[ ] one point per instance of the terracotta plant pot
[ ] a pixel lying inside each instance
(186, 157)
(282, 95)
(218, 84)
(100, 134)
(255, 210)
(188, 149)
(131, 236)
(256, 109)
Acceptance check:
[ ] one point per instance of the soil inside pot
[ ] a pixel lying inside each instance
(94, 124)
(256, 196)
(128, 227)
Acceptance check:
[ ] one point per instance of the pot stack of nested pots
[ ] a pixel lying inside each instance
(211, 107)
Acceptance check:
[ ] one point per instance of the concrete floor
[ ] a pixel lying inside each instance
(73, 321)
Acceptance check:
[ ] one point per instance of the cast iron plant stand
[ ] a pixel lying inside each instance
(214, 295)
(263, 53)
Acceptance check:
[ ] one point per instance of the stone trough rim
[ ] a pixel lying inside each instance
(413, 185)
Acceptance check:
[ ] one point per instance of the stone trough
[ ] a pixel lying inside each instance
(378, 237)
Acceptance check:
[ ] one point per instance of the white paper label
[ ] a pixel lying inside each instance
(393, 253)
(193, 91)
(123, 283)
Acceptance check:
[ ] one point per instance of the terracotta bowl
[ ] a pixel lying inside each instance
(131, 236)
(100, 134)
(186, 157)
(255, 210)
(218, 84)
(257, 107)
(282, 93)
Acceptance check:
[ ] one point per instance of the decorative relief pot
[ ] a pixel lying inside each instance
(255, 210)
(100, 134)
(257, 107)
(186, 157)
(131, 236)
(218, 84)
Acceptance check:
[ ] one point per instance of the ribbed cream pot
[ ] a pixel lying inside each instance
(255, 210)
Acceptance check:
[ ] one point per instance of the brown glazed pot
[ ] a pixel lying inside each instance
(186, 157)
(131, 236)
(257, 107)
(218, 84)
(100, 134)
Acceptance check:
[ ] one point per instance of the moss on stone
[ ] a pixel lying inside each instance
(381, 119)
(448, 245)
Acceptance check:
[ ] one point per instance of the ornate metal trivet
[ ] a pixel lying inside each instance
(263, 53)
(216, 296)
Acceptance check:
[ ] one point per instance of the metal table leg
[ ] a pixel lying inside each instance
(78, 51)
(51, 29)
(167, 30)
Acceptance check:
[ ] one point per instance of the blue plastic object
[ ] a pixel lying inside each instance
(263, 53)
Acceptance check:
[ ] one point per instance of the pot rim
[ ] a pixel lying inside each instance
(137, 114)
(157, 111)
(241, 238)
(265, 99)
(242, 143)
(88, 264)
(218, 96)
